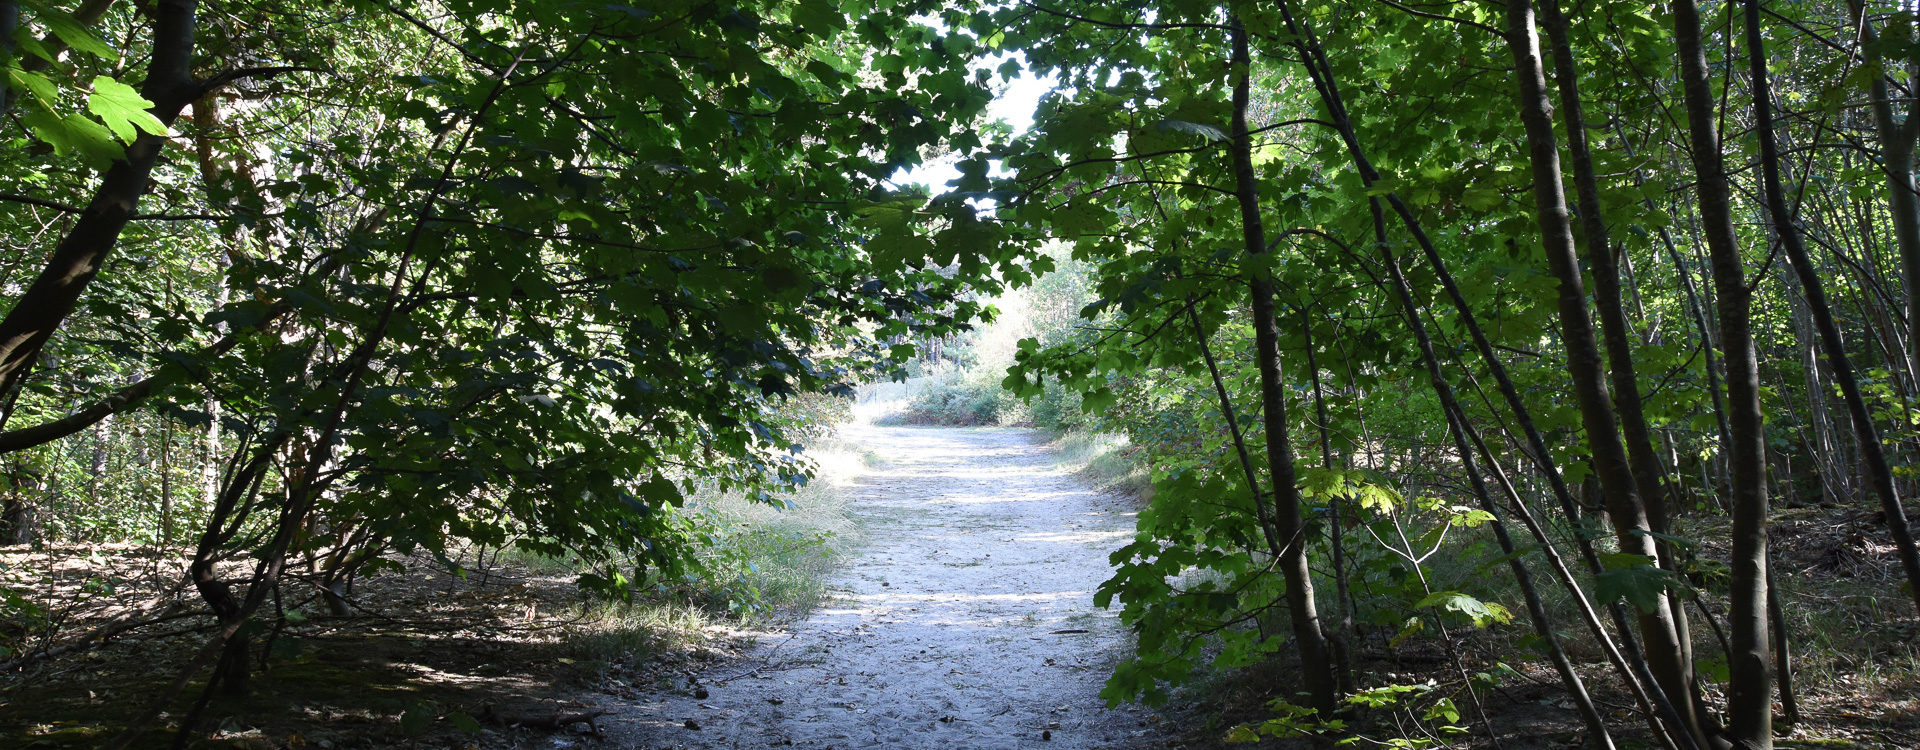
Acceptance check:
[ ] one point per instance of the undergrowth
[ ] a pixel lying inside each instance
(1105, 460)
(760, 564)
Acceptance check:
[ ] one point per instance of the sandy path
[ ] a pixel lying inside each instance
(967, 620)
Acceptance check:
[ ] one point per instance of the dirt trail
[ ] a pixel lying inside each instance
(966, 621)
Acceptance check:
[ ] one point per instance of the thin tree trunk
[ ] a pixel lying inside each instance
(16, 514)
(1866, 432)
(97, 466)
(1897, 142)
(1457, 428)
(1782, 654)
(1233, 428)
(1343, 615)
(1751, 689)
(1313, 59)
(1648, 472)
(1309, 640)
(166, 488)
(1626, 507)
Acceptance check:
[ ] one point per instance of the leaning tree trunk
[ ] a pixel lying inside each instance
(1458, 429)
(1781, 216)
(1603, 256)
(1897, 142)
(1635, 668)
(1666, 653)
(54, 293)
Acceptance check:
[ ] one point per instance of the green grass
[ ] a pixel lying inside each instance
(784, 554)
(766, 564)
(1105, 460)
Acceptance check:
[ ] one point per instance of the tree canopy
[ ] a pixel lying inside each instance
(1602, 287)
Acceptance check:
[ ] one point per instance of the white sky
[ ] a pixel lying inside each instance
(1013, 102)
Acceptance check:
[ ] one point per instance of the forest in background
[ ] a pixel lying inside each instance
(1560, 343)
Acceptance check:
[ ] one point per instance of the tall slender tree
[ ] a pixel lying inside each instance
(1747, 454)
(1290, 526)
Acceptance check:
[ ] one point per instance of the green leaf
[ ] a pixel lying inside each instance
(1444, 710)
(1098, 401)
(463, 722)
(123, 109)
(1713, 668)
(1481, 199)
(818, 17)
(43, 90)
(1634, 578)
(1209, 132)
(1242, 733)
(77, 36)
(417, 719)
(74, 134)
(1481, 613)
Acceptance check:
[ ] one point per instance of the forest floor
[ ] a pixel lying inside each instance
(967, 619)
(964, 619)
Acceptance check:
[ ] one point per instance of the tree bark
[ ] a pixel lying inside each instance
(1289, 526)
(1747, 453)
(1626, 507)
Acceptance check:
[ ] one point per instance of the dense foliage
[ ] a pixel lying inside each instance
(422, 275)
(1370, 272)
(1424, 316)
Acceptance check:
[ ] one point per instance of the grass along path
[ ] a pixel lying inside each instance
(965, 620)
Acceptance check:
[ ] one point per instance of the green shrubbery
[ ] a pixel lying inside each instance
(960, 380)
(962, 398)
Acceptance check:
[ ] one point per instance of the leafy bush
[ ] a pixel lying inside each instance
(962, 400)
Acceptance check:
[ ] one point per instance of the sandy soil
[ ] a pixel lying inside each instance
(966, 621)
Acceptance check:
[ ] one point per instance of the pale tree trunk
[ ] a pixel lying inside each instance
(1343, 614)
